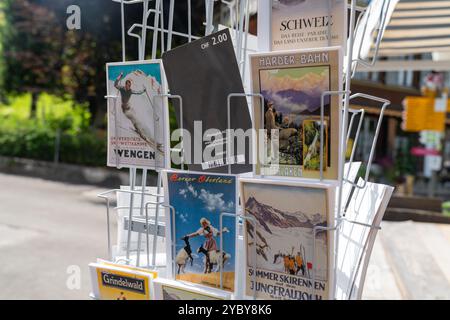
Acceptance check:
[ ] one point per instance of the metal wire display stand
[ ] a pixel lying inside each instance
(239, 11)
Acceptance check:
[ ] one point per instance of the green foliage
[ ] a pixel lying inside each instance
(32, 48)
(405, 163)
(35, 138)
(3, 34)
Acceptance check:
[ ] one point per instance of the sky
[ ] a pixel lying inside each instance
(150, 69)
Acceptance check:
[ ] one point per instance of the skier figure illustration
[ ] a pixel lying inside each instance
(126, 92)
(299, 262)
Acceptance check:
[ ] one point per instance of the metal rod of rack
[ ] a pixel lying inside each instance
(229, 142)
(245, 218)
(107, 197)
(386, 104)
(181, 150)
(356, 139)
(346, 93)
(383, 24)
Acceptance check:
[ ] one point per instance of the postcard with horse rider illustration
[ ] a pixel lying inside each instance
(196, 230)
(293, 84)
(137, 115)
(289, 251)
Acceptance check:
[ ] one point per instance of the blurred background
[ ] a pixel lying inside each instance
(53, 143)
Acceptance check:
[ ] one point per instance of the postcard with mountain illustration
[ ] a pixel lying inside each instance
(137, 115)
(292, 84)
(289, 255)
(197, 232)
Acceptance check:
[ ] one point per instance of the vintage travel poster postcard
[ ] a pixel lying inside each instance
(199, 200)
(292, 84)
(137, 115)
(281, 262)
(303, 24)
(116, 283)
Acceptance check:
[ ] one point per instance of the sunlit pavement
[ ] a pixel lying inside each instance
(410, 261)
(46, 227)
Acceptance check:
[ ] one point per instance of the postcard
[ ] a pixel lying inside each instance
(137, 115)
(177, 290)
(114, 282)
(204, 73)
(293, 84)
(301, 24)
(289, 254)
(199, 201)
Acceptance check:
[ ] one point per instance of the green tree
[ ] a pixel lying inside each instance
(32, 50)
(42, 55)
(86, 51)
(3, 32)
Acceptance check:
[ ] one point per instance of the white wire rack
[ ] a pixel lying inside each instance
(153, 20)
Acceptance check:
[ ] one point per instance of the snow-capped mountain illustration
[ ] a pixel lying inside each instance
(267, 215)
(294, 101)
(279, 234)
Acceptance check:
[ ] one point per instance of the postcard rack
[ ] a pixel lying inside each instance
(162, 35)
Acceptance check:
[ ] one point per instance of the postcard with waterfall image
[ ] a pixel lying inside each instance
(288, 251)
(137, 115)
(312, 144)
(292, 84)
(197, 232)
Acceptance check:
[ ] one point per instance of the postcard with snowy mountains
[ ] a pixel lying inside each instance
(293, 84)
(286, 221)
(199, 200)
(137, 115)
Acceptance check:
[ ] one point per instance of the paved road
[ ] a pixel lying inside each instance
(410, 261)
(45, 227)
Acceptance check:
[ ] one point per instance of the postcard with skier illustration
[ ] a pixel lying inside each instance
(137, 115)
(289, 254)
(197, 231)
(293, 84)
